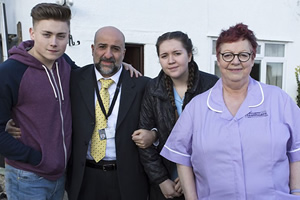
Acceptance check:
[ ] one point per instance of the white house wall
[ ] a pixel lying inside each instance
(142, 21)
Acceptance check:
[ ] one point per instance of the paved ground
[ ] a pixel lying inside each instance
(2, 188)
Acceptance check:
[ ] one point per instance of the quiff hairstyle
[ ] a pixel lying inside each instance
(235, 33)
(46, 11)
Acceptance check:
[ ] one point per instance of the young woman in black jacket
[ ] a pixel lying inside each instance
(164, 99)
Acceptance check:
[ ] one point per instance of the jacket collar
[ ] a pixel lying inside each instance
(160, 88)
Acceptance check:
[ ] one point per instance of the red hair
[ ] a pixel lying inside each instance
(236, 33)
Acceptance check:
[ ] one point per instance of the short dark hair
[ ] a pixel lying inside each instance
(45, 11)
(235, 33)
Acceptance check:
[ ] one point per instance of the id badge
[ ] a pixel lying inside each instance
(102, 134)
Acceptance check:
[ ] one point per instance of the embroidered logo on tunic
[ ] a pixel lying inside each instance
(257, 114)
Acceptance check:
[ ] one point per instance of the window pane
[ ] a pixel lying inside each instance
(217, 70)
(258, 49)
(274, 74)
(255, 72)
(274, 50)
(214, 42)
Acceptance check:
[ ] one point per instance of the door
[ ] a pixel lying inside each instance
(135, 56)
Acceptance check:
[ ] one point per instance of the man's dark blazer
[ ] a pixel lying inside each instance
(132, 178)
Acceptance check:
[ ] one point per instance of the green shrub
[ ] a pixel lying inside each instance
(297, 74)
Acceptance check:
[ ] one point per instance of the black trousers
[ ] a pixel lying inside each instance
(99, 184)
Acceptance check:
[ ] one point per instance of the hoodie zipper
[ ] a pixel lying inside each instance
(59, 97)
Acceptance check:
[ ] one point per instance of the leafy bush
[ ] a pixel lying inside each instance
(297, 74)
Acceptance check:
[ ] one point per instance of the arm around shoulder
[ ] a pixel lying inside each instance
(70, 61)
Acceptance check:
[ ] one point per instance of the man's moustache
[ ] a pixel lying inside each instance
(107, 60)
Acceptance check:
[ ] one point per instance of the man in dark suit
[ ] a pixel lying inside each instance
(119, 175)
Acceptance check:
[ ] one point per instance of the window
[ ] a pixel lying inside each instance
(274, 74)
(268, 65)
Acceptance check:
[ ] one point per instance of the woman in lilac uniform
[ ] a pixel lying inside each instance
(240, 139)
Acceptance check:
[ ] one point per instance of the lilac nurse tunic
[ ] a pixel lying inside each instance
(239, 157)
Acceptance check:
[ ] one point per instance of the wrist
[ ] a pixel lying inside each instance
(155, 136)
(154, 133)
(295, 191)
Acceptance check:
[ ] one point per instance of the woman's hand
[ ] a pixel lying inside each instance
(168, 189)
(144, 138)
(178, 185)
(132, 70)
(12, 129)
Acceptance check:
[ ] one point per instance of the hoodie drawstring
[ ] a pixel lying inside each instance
(60, 86)
(50, 81)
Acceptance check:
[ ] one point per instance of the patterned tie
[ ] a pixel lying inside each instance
(98, 146)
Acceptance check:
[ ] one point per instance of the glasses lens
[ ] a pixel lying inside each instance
(243, 57)
(227, 57)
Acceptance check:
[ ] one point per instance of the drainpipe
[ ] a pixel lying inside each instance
(3, 31)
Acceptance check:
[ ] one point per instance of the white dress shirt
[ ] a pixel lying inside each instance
(110, 153)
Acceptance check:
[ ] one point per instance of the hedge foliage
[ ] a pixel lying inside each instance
(297, 74)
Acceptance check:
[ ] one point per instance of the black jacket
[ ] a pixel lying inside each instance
(157, 112)
(132, 179)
